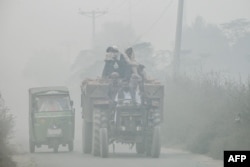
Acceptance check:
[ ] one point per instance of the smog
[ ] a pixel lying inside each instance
(194, 84)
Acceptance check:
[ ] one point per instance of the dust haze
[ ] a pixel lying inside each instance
(49, 43)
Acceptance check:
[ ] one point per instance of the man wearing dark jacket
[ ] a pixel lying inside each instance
(124, 63)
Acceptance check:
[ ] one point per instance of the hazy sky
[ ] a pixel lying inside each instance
(30, 25)
(57, 22)
(46, 23)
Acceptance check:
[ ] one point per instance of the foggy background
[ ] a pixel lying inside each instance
(46, 43)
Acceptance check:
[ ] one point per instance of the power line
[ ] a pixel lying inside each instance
(93, 14)
(118, 6)
(156, 21)
(110, 3)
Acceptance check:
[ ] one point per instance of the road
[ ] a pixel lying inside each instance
(124, 157)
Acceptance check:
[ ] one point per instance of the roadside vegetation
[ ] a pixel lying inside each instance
(6, 127)
(207, 115)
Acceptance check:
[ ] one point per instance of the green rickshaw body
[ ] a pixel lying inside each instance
(51, 118)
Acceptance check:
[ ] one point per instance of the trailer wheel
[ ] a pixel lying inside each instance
(148, 146)
(87, 137)
(71, 146)
(156, 142)
(104, 148)
(32, 146)
(96, 133)
(55, 148)
(55, 145)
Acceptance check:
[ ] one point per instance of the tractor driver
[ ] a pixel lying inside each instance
(124, 96)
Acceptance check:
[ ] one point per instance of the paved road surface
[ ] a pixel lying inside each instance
(124, 157)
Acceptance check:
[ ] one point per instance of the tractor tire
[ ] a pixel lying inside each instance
(87, 137)
(104, 148)
(96, 133)
(32, 146)
(156, 119)
(140, 148)
(71, 146)
(156, 142)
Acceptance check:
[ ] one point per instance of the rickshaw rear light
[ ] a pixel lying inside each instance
(41, 120)
(37, 120)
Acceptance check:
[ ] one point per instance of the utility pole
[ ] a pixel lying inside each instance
(93, 14)
(130, 14)
(177, 49)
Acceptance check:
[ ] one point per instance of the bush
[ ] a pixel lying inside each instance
(205, 115)
(6, 126)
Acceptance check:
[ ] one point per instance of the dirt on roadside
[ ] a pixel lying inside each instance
(24, 160)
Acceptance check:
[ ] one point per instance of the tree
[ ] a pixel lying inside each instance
(207, 45)
(238, 35)
(47, 67)
(236, 29)
(6, 130)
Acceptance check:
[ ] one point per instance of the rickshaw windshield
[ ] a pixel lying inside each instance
(52, 103)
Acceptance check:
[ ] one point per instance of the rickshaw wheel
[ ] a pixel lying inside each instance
(32, 147)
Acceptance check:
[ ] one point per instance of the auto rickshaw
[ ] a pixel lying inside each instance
(51, 118)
